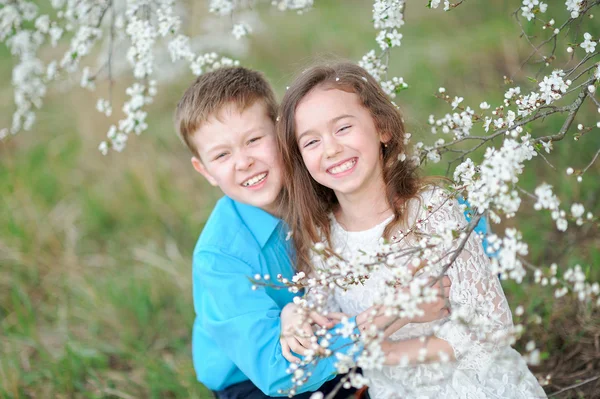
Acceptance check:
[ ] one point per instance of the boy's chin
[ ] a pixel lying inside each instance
(265, 201)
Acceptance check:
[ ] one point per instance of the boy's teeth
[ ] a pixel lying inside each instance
(254, 180)
(343, 167)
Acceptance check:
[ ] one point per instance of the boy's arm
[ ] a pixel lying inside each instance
(246, 324)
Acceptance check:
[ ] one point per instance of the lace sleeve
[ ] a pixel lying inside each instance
(480, 315)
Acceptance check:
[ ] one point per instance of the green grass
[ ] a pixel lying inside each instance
(95, 252)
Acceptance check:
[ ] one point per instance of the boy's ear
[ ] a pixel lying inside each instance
(200, 168)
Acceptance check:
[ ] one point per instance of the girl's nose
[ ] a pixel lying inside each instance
(332, 148)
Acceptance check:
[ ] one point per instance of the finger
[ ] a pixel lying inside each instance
(446, 284)
(321, 320)
(336, 316)
(296, 347)
(364, 316)
(304, 342)
(442, 313)
(376, 317)
(395, 326)
(304, 338)
(285, 351)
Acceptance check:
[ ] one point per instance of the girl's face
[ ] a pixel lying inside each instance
(339, 143)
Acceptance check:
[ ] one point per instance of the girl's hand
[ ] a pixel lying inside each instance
(297, 331)
(438, 309)
(375, 315)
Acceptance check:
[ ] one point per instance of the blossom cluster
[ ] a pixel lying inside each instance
(531, 7)
(491, 186)
(143, 26)
(388, 17)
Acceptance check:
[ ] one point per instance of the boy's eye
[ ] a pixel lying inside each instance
(221, 155)
(254, 139)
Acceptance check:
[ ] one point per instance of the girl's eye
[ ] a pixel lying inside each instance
(343, 128)
(311, 142)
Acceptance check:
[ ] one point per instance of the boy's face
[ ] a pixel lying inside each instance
(238, 152)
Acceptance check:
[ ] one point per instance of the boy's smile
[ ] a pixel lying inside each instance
(255, 181)
(238, 152)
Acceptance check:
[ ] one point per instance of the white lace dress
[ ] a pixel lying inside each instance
(482, 369)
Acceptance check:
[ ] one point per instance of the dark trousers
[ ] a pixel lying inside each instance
(247, 390)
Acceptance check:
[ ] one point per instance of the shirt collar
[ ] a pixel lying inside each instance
(261, 223)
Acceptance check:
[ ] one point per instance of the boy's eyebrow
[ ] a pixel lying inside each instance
(331, 122)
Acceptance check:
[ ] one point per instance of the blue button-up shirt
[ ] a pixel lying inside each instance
(236, 331)
(482, 228)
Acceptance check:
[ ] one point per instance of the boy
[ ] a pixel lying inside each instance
(227, 120)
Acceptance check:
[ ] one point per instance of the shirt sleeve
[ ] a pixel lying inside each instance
(246, 324)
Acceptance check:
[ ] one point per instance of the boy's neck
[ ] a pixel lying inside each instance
(273, 209)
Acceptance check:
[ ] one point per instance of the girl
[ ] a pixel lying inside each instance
(343, 143)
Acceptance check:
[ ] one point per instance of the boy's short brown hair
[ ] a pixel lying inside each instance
(212, 90)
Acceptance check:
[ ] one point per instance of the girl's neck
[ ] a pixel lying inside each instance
(363, 210)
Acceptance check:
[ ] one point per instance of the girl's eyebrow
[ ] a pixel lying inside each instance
(331, 122)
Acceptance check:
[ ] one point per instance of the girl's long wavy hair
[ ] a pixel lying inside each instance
(306, 204)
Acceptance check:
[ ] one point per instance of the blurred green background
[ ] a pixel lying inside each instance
(95, 251)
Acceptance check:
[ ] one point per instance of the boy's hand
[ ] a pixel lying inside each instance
(390, 324)
(297, 331)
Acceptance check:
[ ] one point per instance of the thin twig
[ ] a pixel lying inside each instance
(584, 71)
(570, 118)
(474, 222)
(575, 386)
(546, 159)
(595, 100)
(592, 162)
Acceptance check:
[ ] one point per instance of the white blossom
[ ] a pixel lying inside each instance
(456, 102)
(574, 6)
(577, 210)
(241, 30)
(589, 45)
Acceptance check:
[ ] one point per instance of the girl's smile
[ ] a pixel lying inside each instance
(343, 168)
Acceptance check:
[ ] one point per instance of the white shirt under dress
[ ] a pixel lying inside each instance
(482, 369)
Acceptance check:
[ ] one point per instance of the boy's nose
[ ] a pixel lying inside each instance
(244, 162)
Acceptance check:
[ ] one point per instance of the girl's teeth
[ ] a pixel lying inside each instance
(343, 167)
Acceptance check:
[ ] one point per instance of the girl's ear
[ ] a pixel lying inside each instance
(385, 137)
